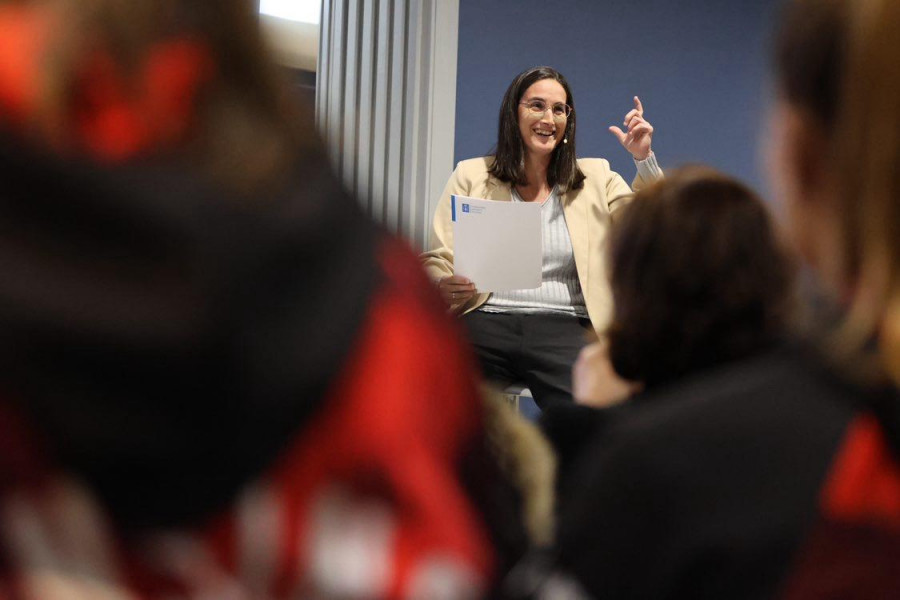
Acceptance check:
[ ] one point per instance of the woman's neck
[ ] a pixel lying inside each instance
(537, 189)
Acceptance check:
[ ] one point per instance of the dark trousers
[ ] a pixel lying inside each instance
(535, 349)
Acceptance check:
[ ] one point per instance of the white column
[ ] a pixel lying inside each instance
(386, 104)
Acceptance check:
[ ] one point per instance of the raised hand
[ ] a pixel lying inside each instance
(638, 133)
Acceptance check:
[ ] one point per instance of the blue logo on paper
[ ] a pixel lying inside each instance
(465, 207)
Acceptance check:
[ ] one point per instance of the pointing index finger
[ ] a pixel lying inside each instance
(638, 105)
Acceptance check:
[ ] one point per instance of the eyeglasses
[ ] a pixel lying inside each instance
(538, 107)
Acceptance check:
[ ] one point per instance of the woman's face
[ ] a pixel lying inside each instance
(541, 132)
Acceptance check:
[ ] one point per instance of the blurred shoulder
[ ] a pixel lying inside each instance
(784, 385)
(750, 442)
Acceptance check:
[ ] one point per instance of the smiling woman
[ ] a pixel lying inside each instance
(534, 335)
(545, 95)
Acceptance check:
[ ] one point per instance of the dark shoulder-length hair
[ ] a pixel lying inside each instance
(509, 154)
(698, 278)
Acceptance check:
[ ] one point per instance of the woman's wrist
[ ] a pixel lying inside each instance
(649, 169)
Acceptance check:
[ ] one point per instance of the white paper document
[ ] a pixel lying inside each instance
(497, 244)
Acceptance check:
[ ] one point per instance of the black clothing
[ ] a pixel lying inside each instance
(709, 488)
(535, 349)
(570, 429)
(151, 320)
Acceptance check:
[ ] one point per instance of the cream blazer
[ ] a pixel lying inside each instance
(588, 213)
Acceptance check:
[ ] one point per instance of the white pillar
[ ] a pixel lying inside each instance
(386, 104)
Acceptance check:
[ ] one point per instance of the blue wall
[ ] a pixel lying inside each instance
(699, 66)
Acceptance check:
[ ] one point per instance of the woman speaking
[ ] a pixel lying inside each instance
(534, 335)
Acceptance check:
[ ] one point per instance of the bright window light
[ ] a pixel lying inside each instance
(304, 11)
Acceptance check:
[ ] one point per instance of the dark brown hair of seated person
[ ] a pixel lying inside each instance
(697, 278)
(509, 153)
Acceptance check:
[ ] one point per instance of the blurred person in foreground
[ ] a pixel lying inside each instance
(778, 476)
(698, 280)
(219, 379)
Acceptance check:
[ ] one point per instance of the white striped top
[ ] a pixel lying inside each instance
(560, 290)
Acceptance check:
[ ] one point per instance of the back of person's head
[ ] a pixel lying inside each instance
(171, 241)
(122, 79)
(839, 131)
(697, 277)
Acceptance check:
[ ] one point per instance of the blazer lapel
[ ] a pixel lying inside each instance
(496, 190)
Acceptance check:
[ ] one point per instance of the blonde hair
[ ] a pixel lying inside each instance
(838, 60)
